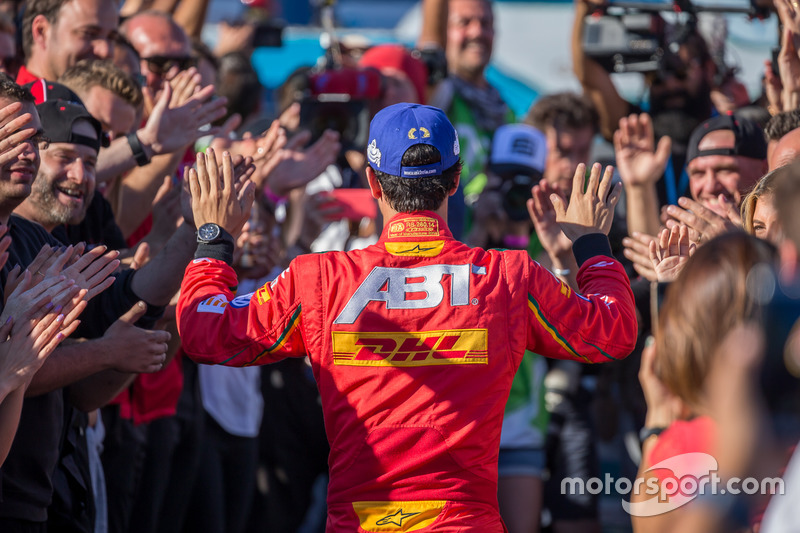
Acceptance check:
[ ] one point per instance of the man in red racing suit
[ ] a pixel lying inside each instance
(414, 343)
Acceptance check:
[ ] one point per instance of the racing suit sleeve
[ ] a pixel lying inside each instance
(596, 326)
(253, 329)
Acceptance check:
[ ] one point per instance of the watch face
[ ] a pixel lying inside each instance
(208, 232)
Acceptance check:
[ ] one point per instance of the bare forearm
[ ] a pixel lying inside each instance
(596, 82)
(579, 58)
(158, 281)
(139, 188)
(10, 409)
(114, 160)
(98, 389)
(68, 364)
(641, 204)
(191, 15)
(434, 23)
(566, 268)
(165, 6)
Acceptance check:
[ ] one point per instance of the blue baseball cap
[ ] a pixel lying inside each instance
(398, 127)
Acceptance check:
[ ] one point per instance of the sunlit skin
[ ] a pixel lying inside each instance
(115, 115)
(16, 176)
(566, 148)
(713, 175)
(470, 38)
(65, 183)
(786, 150)
(765, 220)
(152, 36)
(83, 31)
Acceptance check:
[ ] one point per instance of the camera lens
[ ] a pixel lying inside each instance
(516, 190)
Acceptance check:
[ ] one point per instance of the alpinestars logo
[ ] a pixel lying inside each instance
(395, 518)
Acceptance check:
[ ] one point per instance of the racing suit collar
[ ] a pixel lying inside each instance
(417, 226)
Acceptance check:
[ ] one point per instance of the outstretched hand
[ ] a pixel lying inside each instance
(219, 199)
(670, 254)
(543, 216)
(590, 210)
(704, 224)
(639, 161)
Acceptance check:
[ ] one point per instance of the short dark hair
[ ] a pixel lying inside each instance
(406, 195)
(10, 90)
(563, 110)
(49, 8)
(781, 124)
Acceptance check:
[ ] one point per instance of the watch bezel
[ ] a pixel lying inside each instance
(209, 226)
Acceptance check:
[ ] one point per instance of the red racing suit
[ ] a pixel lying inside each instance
(414, 342)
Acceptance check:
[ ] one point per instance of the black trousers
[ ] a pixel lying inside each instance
(225, 485)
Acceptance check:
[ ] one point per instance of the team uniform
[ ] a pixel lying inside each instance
(414, 343)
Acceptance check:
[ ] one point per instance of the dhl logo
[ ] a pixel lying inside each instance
(420, 348)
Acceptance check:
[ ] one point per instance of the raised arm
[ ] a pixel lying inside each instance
(640, 166)
(214, 326)
(596, 82)
(599, 324)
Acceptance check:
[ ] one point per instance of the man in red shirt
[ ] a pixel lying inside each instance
(414, 341)
(56, 34)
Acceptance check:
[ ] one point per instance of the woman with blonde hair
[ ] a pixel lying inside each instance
(759, 216)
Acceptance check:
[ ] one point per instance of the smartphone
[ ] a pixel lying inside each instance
(356, 204)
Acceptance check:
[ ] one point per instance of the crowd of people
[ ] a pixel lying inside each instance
(386, 327)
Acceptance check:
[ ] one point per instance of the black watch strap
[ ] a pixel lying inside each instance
(138, 150)
(645, 433)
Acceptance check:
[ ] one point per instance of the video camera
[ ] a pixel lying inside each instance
(341, 99)
(633, 36)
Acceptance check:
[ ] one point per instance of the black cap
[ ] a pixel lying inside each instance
(749, 137)
(58, 117)
(43, 90)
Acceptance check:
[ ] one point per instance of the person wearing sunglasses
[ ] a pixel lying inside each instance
(163, 47)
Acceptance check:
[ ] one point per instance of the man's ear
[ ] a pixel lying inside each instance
(40, 28)
(374, 185)
(454, 189)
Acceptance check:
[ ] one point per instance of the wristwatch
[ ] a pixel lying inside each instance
(138, 150)
(209, 233)
(645, 433)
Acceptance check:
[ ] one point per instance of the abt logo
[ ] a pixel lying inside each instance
(392, 285)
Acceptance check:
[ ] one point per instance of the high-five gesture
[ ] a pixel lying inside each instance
(590, 210)
(638, 160)
(219, 199)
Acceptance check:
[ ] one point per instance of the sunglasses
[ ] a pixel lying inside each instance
(160, 65)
